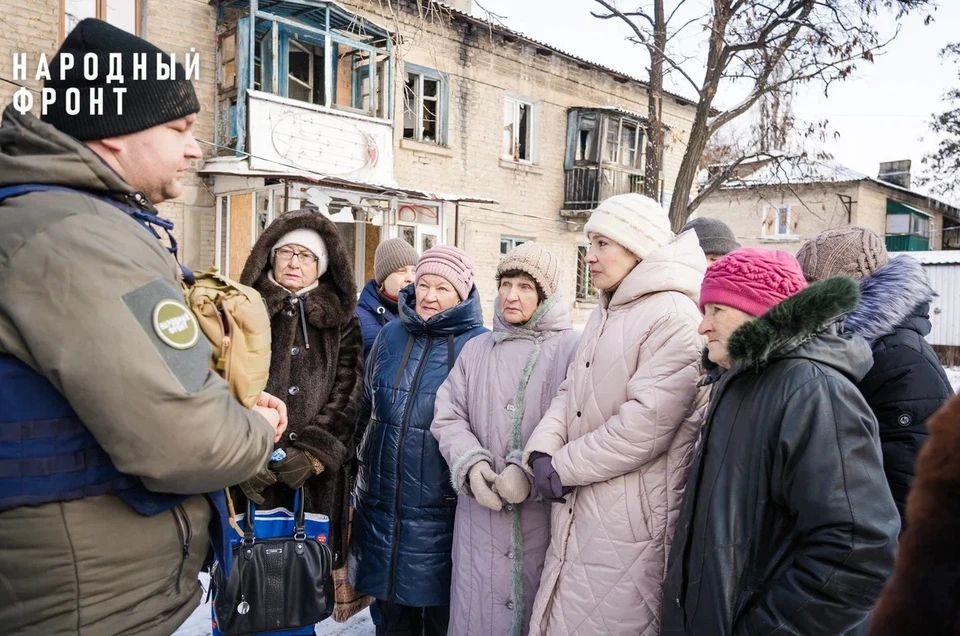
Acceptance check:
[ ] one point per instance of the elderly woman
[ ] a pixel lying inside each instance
(405, 504)
(393, 266)
(496, 394)
(613, 450)
(302, 269)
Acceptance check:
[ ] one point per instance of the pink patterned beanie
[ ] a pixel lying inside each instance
(451, 263)
(752, 280)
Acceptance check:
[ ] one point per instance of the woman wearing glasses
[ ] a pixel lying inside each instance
(301, 267)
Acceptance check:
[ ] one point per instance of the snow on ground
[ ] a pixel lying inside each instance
(953, 374)
(360, 625)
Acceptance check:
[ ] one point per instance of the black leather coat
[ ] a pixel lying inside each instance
(787, 524)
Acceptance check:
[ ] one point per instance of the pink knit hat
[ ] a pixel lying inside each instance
(752, 280)
(451, 263)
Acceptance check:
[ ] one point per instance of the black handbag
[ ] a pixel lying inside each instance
(276, 584)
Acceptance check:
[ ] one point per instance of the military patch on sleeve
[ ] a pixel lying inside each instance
(173, 331)
(175, 324)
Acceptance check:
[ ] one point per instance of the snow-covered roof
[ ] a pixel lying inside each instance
(796, 171)
(782, 171)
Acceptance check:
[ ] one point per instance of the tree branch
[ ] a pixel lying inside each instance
(648, 42)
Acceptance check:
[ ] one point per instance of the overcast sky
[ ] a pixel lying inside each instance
(881, 114)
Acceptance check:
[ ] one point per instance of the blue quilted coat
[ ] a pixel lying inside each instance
(405, 504)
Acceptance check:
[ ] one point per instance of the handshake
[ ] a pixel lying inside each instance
(512, 484)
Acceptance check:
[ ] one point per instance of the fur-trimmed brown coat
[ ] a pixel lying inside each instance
(923, 596)
(320, 383)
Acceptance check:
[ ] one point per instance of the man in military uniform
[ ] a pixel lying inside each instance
(112, 425)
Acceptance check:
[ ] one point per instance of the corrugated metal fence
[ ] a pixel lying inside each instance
(943, 272)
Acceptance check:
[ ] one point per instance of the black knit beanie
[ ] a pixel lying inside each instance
(148, 101)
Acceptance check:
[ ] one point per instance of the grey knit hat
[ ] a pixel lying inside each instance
(846, 251)
(390, 256)
(714, 235)
(536, 261)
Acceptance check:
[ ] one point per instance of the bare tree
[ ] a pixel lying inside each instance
(942, 173)
(764, 47)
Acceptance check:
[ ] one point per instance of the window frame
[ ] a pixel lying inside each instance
(533, 138)
(423, 74)
(779, 231)
(100, 13)
(585, 291)
(617, 159)
(511, 242)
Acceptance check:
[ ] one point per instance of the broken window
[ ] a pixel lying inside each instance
(623, 143)
(305, 72)
(423, 106)
(518, 128)
(586, 138)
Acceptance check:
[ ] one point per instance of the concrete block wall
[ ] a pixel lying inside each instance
(33, 27)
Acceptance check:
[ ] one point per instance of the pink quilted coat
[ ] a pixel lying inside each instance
(622, 431)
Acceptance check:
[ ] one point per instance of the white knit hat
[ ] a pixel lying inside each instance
(634, 221)
(309, 239)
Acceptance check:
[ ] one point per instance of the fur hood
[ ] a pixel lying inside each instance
(791, 328)
(889, 297)
(334, 301)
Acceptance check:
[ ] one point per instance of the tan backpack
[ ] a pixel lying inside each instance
(234, 319)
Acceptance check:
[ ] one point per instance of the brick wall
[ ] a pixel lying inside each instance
(483, 68)
(33, 27)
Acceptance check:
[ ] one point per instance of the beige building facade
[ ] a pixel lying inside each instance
(410, 119)
(781, 205)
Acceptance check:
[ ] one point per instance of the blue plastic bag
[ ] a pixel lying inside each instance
(279, 522)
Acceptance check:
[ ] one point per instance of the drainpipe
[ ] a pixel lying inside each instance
(456, 224)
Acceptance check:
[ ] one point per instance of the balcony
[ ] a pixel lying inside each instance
(604, 157)
(305, 52)
(585, 186)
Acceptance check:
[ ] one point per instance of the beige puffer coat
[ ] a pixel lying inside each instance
(622, 431)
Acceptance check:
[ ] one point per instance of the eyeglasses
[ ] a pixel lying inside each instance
(285, 254)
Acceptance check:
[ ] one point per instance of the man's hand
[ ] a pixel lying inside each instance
(275, 412)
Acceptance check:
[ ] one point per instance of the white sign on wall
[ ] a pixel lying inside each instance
(290, 136)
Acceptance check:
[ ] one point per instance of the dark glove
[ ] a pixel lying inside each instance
(257, 484)
(547, 481)
(296, 468)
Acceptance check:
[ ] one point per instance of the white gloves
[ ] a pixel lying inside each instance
(480, 477)
(512, 484)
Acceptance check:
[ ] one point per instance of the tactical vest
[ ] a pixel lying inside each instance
(48, 455)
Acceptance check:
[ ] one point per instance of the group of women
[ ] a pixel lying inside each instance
(523, 480)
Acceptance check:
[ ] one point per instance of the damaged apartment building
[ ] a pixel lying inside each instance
(411, 118)
(418, 120)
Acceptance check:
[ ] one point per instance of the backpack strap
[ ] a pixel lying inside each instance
(147, 220)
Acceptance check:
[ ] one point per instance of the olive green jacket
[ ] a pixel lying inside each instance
(79, 280)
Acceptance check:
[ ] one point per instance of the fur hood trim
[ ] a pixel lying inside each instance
(793, 322)
(888, 297)
(333, 302)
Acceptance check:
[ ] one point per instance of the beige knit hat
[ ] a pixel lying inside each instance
(634, 221)
(534, 259)
(390, 256)
(846, 251)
